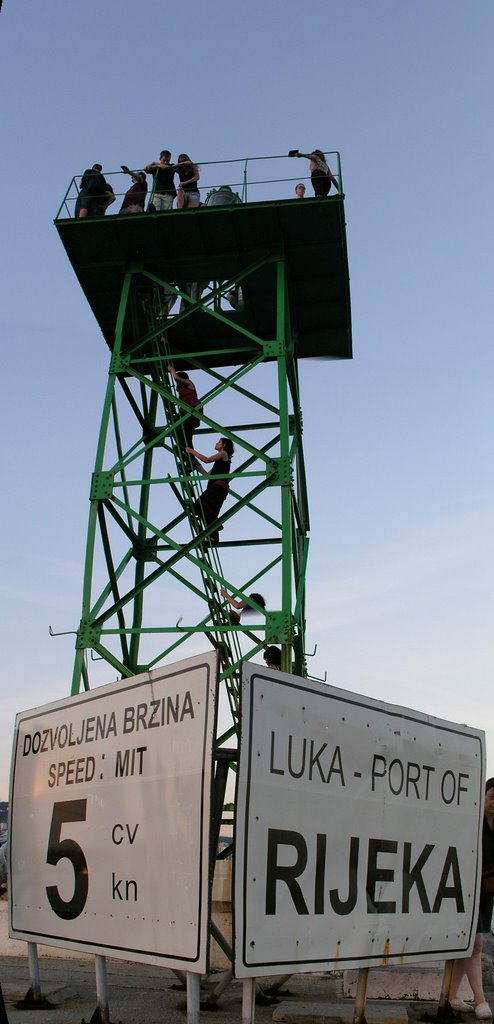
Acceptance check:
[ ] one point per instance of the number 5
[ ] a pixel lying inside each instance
(67, 810)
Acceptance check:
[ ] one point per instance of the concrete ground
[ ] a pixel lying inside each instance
(140, 994)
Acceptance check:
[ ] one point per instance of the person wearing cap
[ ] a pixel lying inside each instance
(472, 965)
(135, 197)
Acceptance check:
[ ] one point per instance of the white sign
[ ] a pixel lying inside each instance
(357, 830)
(110, 812)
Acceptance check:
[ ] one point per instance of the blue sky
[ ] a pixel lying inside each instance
(399, 442)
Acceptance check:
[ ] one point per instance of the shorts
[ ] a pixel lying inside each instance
(84, 202)
(161, 201)
(191, 194)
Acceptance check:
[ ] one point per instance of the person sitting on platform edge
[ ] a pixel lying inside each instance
(188, 394)
(208, 505)
(135, 196)
(272, 657)
(242, 606)
(320, 174)
(472, 965)
(164, 190)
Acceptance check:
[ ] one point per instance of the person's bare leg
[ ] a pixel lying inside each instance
(472, 967)
(473, 970)
(456, 979)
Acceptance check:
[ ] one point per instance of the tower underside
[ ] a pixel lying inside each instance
(235, 296)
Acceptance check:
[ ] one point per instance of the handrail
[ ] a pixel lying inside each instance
(252, 190)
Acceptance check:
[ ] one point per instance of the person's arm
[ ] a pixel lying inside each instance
(231, 600)
(152, 167)
(218, 456)
(127, 170)
(172, 370)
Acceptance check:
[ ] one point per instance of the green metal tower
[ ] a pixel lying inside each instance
(153, 575)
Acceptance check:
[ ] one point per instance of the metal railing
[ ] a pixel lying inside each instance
(254, 179)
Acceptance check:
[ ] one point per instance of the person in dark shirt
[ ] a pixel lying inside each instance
(208, 505)
(164, 190)
(92, 191)
(108, 197)
(321, 175)
(188, 192)
(135, 196)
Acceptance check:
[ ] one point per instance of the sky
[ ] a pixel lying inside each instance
(399, 441)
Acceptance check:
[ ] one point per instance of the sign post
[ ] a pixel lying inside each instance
(110, 814)
(357, 833)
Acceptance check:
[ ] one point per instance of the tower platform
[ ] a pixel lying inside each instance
(220, 244)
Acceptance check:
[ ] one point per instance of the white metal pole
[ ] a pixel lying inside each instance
(32, 953)
(248, 1000)
(102, 987)
(193, 997)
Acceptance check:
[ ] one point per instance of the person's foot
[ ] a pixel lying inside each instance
(483, 1011)
(460, 1006)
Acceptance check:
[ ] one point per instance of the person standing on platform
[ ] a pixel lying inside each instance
(188, 394)
(320, 173)
(472, 965)
(135, 196)
(164, 190)
(92, 193)
(300, 190)
(108, 196)
(188, 192)
(209, 504)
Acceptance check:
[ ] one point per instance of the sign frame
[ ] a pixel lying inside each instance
(152, 816)
(269, 937)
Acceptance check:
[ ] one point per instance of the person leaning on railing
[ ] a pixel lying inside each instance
(188, 193)
(321, 175)
(163, 173)
(135, 196)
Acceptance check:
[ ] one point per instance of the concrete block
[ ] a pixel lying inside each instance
(338, 1013)
(415, 981)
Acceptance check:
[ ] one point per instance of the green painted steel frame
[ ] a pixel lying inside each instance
(138, 379)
